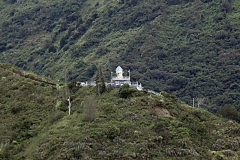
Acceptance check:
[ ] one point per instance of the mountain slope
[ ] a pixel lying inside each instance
(187, 47)
(35, 124)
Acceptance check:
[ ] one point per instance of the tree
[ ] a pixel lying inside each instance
(100, 84)
(125, 91)
(228, 111)
(63, 42)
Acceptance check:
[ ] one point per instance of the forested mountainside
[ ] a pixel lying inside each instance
(35, 123)
(190, 47)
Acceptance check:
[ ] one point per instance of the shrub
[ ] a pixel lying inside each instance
(173, 2)
(228, 152)
(228, 111)
(63, 41)
(206, 1)
(162, 128)
(62, 105)
(219, 17)
(72, 86)
(219, 144)
(56, 116)
(221, 34)
(52, 49)
(10, 1)
(113, 132)
(225, 7)
(125, 91)
(16, 109)
(90, 109)
(109, 110)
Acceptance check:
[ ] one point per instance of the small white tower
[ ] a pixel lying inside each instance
(119, 72)
(119, 79)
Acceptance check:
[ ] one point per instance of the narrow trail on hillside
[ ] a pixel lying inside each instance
(32, 77)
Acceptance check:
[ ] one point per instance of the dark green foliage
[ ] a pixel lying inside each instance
(72, 86)
(108, 110)
(173, 2)
(206, 1)
(10, 1)
(63, 42)
(112, 132)
(16, 109)
(52, 49)
(190, 47)
(125, 91)
(100, 84)
(228, 111)
(63, 106)
(56, 116)
(221, 34)
(162, 125)
(101, 51)
(225, 6)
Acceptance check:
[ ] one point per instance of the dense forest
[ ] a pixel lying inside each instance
(190, 47)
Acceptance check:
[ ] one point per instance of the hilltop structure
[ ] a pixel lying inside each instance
(119, 79)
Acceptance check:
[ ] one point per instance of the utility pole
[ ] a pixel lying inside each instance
(69, 105)
(67, 93)
(111, 77)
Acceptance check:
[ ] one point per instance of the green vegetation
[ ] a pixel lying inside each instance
(183, 46)
(125, 91)
(90, 112)
(139, 126)
(100, 83)
(228, 111)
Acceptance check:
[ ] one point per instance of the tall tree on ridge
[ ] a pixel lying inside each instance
(100, 84)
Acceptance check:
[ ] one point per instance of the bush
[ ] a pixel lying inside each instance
(228, 153)
(90, 109)
(221, 34)
(173, 2)
(112, 132)
(228, 111)
(63, 105)
(109, 110)
(16, 109)
(52, 49)
(10, 1)
(72, 86)
(125, 91)
(56, 116)
(225, 7)
(63, 41)
(206, 1)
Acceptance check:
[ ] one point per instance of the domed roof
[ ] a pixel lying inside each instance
(119, 69)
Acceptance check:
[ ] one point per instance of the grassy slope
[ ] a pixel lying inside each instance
(188, 48)
(143, 126)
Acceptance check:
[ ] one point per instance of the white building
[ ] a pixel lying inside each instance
(116, 81)
(119, 79)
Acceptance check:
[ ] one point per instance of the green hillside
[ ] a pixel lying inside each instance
(35, 123)
(190, 47)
